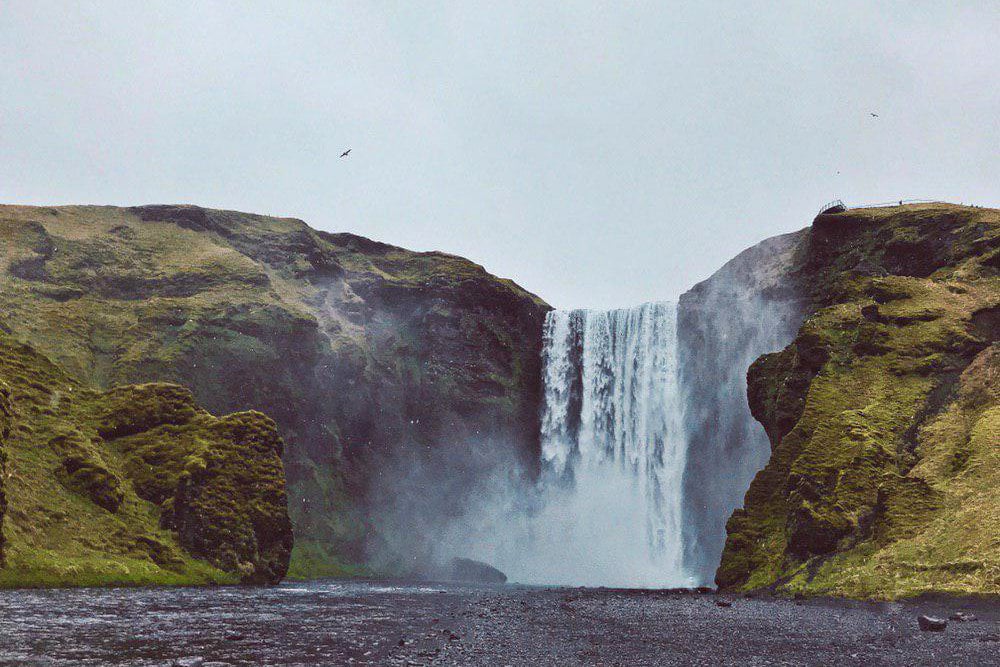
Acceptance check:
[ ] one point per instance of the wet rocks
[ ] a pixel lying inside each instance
(931, 623)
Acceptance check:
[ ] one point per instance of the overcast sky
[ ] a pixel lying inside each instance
(600, 154)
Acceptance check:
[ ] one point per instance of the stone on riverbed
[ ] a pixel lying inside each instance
(931, 624)
(474, 571)
(193, 661)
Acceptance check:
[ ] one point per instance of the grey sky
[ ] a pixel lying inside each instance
(596, 153)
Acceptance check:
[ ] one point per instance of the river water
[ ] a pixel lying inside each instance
(319, 623)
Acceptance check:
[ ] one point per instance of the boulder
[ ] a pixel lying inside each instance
(474, 571)
(931, 624)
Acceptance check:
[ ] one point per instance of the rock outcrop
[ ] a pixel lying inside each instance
(370, 358)
(750, 306)
(474, 571)
(6, 412)
(134, 485)
(883, 414)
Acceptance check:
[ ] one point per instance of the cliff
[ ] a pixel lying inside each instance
(751, 306)
(371, 359)
(134, 485)
(883, 415)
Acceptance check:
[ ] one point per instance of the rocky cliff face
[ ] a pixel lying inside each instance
(5, 419)
(371, 359)
(136, 485)
(750, 306)
(883, 414)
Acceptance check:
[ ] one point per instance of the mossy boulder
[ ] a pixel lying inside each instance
(882, 414)
(220, 485)
(82, 469)
(135, 485)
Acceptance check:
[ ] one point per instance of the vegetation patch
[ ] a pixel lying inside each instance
(92, 484)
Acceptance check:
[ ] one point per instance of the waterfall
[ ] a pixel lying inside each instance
(613, 446)
(647, 443)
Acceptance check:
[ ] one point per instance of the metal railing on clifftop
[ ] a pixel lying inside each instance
(838, 206)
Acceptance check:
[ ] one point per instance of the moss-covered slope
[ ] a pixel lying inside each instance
(883, 414)
(135, 485)
(357, 349)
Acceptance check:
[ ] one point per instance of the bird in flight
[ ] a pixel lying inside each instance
(344, 154)
(873, 114)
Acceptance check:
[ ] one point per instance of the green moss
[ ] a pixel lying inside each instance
(86, 474)
(37, 568)
(88, 504)
(137, 408)
(312, 560)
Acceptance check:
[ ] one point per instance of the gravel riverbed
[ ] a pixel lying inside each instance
(371, 623)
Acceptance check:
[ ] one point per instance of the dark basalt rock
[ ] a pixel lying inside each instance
(777, 383)
(812, 532)
(474, 571)
(931, 624)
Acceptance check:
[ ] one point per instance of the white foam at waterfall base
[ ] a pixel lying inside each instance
(607, 508)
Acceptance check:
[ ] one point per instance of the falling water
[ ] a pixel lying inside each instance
(613, 445)
(647, 441)
(618, 501)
